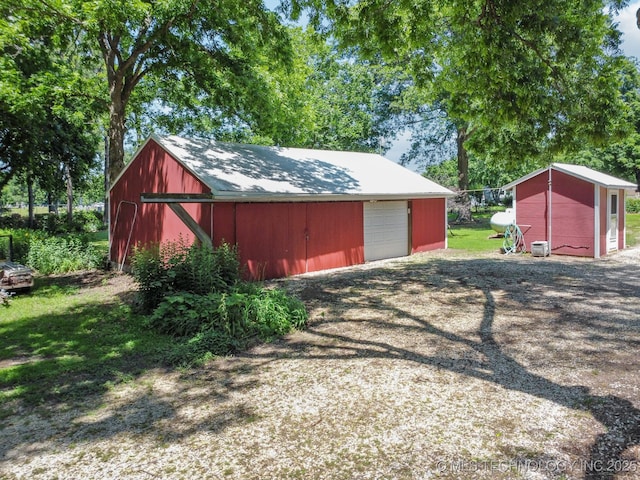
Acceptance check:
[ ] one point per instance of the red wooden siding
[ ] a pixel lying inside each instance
(153, 171)
(270, 238)
(573, 216)
(428, 229)
(224, 223)
(531, 208)
(280, 239)
(335, 235)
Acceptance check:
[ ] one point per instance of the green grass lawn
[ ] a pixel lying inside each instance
(633, 229)
(477, 236)
(59, 343)
(100, 240)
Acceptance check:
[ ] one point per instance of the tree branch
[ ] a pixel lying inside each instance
(64, 15)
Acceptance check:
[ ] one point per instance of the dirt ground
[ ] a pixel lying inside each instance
(439, 365)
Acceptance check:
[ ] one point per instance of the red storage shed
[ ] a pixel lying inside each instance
(288, 210)
(575, 209)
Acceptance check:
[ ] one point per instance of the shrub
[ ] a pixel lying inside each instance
(633, 205)
(221, 323)
(22, 238)
(196, 295)
(84, 221)
(150, 273)
(175, 267)
(15, 220)
(87, 221)
(62, 254)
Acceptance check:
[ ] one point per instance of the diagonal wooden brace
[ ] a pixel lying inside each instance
(190, 223)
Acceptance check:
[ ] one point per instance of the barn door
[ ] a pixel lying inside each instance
(386, 230)
(612, 222)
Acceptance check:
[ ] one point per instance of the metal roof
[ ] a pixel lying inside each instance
(579, 171)
(251, 172)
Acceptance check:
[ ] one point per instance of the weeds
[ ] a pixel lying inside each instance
(60, 255)
(162, 270)
(196, 295)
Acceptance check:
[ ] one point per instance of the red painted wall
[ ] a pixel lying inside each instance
(224, 223)
(153, 170)
(573, 216)
(280, 239)
(428, 230)
(572, 204)
(335, 235)
(531, 208)
(270, 238)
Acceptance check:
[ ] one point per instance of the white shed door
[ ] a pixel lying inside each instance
(386, 230)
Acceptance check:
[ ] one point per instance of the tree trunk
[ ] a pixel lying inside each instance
(463, 202)
(67, 173)
(105, 215)
(115, 157)
(31, 220)
(463, 160)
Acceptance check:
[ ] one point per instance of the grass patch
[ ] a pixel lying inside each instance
(633, 229)
(60, 344)
(100, 241)
(477, 236)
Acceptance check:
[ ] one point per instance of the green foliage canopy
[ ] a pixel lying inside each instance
(518, 79)
(201, 56)
(47, 115)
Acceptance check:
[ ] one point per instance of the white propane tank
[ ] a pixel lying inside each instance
(501, 220)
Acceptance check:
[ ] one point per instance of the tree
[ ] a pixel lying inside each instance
(516, 79)
(325, 98)
(621, 157)
(48, 111)
(345, 102)
(198, 55)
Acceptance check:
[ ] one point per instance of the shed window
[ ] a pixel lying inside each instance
(614, 204)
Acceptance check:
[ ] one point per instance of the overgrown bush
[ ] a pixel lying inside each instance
(196, 295)
(62, 254)
(176, 267)
(84, 221)
(22, 238)
(14, 220)
(222, 323)
(633, 205)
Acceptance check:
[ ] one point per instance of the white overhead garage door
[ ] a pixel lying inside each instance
(386, 230)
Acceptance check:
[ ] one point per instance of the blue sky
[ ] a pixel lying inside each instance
(631, 33)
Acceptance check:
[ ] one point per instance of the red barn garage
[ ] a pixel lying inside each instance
(576, 210)
(288, 210)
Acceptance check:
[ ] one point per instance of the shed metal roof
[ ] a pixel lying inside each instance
(579, 171)
(236, 172)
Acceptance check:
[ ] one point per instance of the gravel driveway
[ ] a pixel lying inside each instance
(439, 365)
